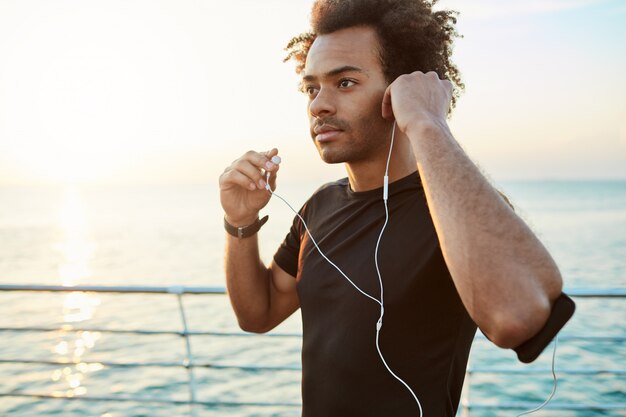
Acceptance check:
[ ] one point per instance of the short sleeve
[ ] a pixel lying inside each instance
(287, 254)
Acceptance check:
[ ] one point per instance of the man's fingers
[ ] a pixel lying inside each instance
(262, 160)
(237, 178)
(256, 158)
(243, 173)
(251, 171)
(387, 110)
(271, 153)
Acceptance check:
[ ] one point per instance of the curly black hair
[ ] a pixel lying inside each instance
(412, 36)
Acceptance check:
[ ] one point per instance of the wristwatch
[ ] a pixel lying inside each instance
(245, 231)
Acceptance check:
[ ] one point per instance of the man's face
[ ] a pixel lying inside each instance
(344, 81)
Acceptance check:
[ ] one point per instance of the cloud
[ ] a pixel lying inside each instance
(486, 9)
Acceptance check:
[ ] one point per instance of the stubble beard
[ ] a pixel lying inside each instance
(368, 136)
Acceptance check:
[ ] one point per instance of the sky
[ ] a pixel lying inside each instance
(154, 92)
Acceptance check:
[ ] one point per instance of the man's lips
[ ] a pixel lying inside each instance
(327, 136)
(326, 133)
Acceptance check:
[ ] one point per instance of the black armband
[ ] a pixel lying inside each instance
(562, 311)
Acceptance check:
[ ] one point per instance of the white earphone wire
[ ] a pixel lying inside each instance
(380, 302)
(553, 386)
(379, 324)
(318, 248)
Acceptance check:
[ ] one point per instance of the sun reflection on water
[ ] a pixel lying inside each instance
(77, 250)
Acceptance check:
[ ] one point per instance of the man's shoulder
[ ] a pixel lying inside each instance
(326, 195)
(338, 186)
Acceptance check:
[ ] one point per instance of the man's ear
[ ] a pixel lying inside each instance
(387, 111)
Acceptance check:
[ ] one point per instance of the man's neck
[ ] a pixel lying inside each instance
(368, 175)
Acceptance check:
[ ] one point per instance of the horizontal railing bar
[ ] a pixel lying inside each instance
(93, 330)
(471, 406)
(181, 364)
(120, 398)
(618, 292)
(572, 337)
(253, 367)
(573, 371)
(128, 289)
(66, 328)
(549, 406)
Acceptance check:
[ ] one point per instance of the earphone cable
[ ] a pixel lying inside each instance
(380, 302)
(318, 248)
(553, 387)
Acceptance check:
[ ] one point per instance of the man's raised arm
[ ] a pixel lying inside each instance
(261, 297)
(506, 278)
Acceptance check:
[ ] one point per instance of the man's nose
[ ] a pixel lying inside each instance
(322, 104)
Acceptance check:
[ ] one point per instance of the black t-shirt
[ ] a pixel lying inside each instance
(426, 334)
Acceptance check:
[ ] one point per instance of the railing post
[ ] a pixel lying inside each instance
(189, 361)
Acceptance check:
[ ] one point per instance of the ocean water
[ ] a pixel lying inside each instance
(173, 235)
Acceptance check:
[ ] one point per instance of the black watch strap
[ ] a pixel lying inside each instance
(245, 231)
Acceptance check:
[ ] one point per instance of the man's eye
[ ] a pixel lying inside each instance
(345, 83)
(309, 90)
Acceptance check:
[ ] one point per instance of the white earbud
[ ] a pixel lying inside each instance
(275, 160)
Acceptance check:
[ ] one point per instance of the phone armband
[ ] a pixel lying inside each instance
(562, 311)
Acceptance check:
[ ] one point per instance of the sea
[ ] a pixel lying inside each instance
(171, 235)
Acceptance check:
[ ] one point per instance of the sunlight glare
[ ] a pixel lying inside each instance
(77, 249)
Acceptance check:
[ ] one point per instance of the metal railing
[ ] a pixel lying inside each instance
(190, 364)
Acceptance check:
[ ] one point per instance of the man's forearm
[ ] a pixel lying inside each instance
(505, 276)
(247, 282)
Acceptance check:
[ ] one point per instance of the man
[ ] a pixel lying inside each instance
(454, 255)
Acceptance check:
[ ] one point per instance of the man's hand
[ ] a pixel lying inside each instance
(242, 186)
(417, 98)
